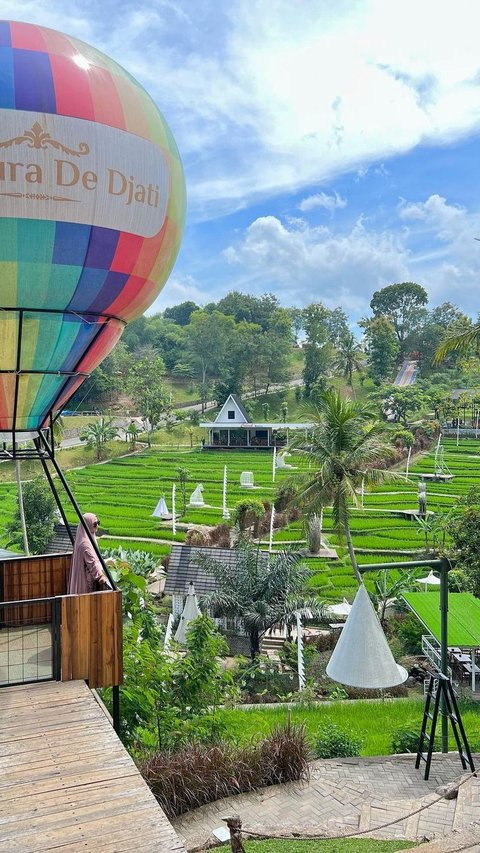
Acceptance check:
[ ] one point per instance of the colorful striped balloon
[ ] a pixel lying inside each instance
(92, 206)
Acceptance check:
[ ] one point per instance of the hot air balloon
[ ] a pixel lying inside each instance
(92, 203)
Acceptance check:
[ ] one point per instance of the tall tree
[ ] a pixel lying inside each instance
(337, 325)
(146, 386)
(343, 449)
(39, 508)
(382, 348)
(252, 309)
(181, 314)
(349, 357)
(402, 304)
(208, 346)
(318, 349)
(262, 590)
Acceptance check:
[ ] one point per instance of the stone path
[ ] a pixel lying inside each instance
(347, 795)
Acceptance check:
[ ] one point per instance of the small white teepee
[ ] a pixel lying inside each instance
(190, 611)
(362, 656)
(161, 509)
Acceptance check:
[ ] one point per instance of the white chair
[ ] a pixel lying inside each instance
(246, 480)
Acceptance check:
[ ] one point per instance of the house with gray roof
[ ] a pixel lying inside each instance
(232, 429)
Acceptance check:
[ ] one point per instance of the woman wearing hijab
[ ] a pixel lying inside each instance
(86, 573)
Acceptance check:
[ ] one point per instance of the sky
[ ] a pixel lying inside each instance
(330, 147)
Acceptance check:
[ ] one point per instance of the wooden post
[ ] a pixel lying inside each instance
(234, 824)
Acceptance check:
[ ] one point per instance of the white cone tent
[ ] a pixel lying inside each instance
(362, 656)
(190, 611)
(161, 509)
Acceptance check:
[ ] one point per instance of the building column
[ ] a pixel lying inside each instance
(228, 437)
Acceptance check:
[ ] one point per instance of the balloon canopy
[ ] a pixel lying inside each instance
(92, 206)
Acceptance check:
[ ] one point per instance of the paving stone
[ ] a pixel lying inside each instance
(343, 794)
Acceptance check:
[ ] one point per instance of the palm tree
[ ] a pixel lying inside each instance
(387, 591)
(349, 357)
(97, 434)
(342, 449)
(462, 342)
(260, 589)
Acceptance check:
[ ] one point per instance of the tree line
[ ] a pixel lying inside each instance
(244, 342)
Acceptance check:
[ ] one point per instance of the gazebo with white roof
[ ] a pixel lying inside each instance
(233, 428)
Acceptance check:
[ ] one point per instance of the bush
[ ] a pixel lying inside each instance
(335, 742)
(197, 774)
(409, 631)
(220, 536)
(406, 740)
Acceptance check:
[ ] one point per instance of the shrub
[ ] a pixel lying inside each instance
(197, 774)
(249, 512)
(196, 537)
(335, 742)
(409, 631)
(405, 740)
(220, 536)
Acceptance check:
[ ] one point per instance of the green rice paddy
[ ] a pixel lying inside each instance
(124, 492)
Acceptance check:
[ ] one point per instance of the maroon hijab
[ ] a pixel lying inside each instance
(86, 567)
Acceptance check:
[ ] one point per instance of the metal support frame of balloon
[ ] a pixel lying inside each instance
(72, 500)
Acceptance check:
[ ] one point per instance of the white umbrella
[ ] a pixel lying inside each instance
(431, 579)
(362, 656)
(190, 611)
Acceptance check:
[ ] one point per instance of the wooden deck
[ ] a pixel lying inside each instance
(66, 781)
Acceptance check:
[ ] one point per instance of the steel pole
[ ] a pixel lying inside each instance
(444, 567)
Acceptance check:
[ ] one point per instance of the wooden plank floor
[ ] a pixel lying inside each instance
(66, 781)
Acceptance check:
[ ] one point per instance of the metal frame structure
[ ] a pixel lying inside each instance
(40, 444)
(68, 374)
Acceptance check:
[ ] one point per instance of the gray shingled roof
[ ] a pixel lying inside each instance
(183, 569)
(60, 541)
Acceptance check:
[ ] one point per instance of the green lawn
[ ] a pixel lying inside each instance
(327, 845)
(375, 722)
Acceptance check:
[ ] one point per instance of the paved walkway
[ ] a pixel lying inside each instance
(347, 795)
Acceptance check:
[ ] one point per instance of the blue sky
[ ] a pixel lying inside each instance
(330, 148)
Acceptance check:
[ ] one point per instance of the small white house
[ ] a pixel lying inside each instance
(232, 428)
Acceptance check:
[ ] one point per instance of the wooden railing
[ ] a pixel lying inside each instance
(86, 629)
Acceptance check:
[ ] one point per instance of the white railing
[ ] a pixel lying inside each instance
(431, 649)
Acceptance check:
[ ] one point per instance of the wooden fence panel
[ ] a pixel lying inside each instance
(24, 578)
(91, 638)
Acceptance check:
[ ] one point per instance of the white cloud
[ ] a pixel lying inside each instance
(447, 220)
(178, 289)
(265, 98)
(310, 263)
(436, 248)
(329, 202)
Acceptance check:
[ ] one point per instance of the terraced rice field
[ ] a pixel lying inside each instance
(124, 492)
